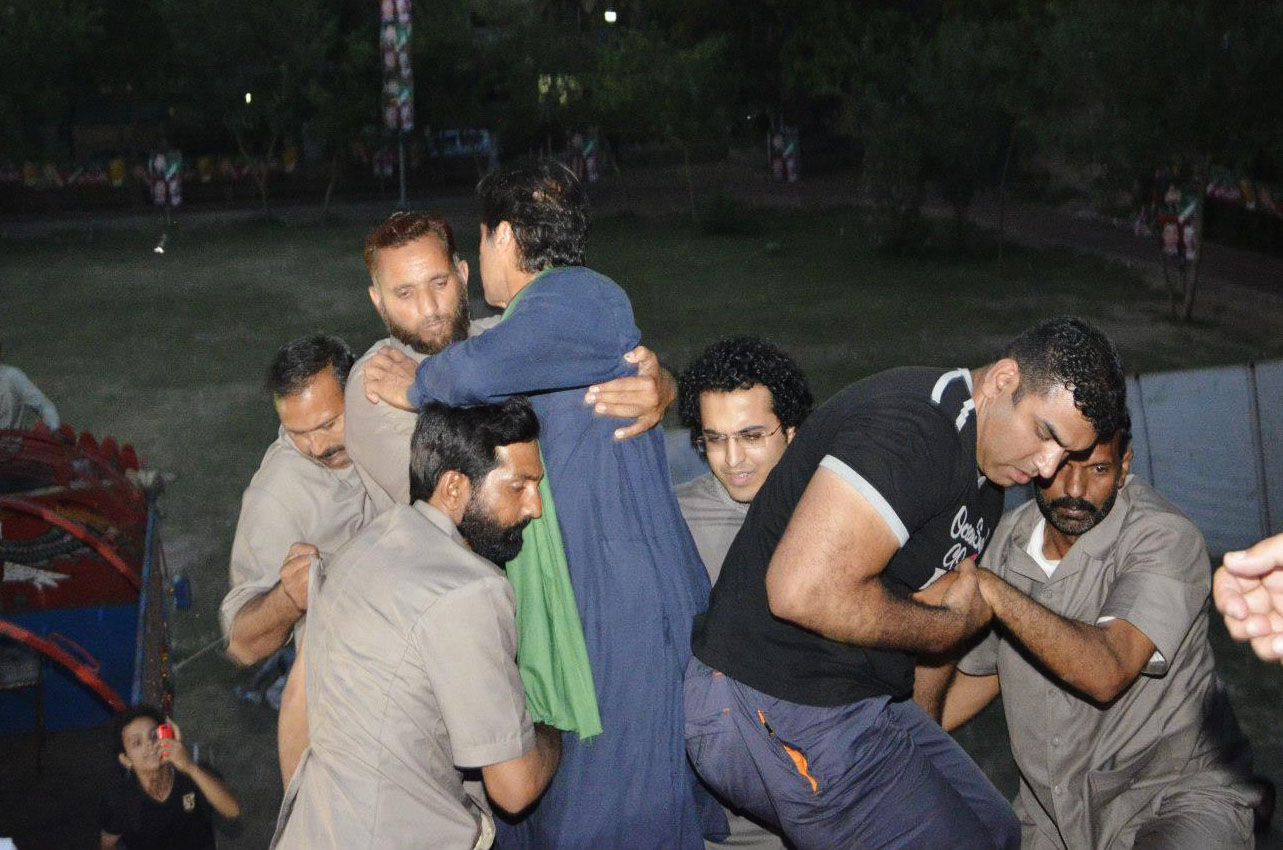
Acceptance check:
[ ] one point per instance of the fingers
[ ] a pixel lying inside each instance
(301, 549)
(646, 361)
(1266, 556)
(641, 426)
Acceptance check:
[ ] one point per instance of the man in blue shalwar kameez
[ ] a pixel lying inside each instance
(637, 577)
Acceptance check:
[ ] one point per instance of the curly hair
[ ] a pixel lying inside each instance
(740, 363)
(1068, 352)
(546, 206)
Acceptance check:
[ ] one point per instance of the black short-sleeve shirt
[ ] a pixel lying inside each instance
(184, 821)
(905, 439)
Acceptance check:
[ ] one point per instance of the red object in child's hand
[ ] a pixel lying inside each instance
(164, 730)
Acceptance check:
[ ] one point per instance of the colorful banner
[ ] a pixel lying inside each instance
(398, 78)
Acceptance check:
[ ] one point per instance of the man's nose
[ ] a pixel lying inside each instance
(534, 506)
(1075, 482)
(734, 451)
(428, 306)
(1048, 461)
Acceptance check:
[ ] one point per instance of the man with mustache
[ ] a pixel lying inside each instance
(304, 501)
(1121, 731)
(419, 288)
(410, 667)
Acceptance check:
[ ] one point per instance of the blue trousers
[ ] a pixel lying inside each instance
(873, 774)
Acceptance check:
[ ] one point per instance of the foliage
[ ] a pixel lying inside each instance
(248, 65)
(42, 47)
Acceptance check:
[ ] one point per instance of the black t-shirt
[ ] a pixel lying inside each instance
(183, 822)
(905, 439)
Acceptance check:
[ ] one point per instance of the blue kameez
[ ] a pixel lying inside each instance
(637, 576)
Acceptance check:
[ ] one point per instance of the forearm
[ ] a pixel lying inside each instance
(291, 729)
(966, 697)
(215, 791)
(1076, 653)
(262, 626)
(930, 681)
(868, 614)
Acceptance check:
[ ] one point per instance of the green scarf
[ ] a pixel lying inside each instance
(551, 653)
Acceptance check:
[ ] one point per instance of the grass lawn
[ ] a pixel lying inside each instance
(167, 351)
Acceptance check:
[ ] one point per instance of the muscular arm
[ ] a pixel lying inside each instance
(515, 784)
(1099, 662)
(263, 624)
(825, 576)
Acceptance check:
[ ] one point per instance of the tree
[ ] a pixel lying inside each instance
(644, 86)
(41, 46)
(1162, 83)
(247, 64)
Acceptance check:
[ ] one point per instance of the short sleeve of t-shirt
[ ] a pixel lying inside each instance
(900, 455)
(1163, 582)
(468, 641)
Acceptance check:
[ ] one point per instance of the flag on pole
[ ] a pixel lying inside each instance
(398, 78)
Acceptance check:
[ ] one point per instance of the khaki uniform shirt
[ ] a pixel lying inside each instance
(714, 518)
(291, 499)
(1086, 771)
(411, 675)
(378, 435)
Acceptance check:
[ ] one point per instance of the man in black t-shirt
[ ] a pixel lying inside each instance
(797, 699)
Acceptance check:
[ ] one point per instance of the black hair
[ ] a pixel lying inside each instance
(1068, 352)
(740, 363)
(299, 360)
(464, 439)
(128, 716)
(546, 206)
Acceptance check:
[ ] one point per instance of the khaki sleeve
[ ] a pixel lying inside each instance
(1164, 580)
(264, 534)
(468, 645)
(378, 441)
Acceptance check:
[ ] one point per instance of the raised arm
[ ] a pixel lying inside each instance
(559, 335)
(825, 575)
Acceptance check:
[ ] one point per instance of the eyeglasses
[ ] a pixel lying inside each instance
(749, 438)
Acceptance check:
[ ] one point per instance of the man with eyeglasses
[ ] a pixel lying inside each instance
(742, 399)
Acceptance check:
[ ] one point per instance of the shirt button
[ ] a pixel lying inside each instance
(1056, 790)
(1055, 742)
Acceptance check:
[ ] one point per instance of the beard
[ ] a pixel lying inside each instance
(489, 538)
(455, 329)
(1073, 526)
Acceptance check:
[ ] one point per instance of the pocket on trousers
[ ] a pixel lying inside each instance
(792, 758)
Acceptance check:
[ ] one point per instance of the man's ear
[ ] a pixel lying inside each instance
(124, 761)
(376, 297)
(1126, 465)
(462, 267)
(788, 434)
(1002, 376)
(502, 233)
(452, 494)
